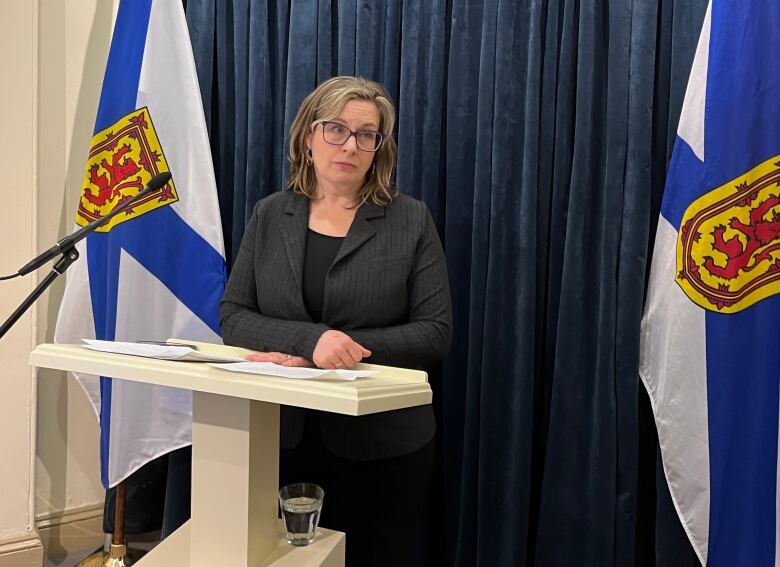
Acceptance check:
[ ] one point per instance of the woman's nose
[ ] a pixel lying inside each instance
(350, 145)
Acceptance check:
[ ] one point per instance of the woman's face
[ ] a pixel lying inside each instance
(343, 167)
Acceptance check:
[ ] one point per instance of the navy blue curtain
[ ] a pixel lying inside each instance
(538, 133)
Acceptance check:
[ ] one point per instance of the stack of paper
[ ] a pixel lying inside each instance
(162, 351)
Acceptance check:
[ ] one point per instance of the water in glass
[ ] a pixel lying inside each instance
(301, 516)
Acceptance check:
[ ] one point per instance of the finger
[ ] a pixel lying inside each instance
(365, 353)
(345, 361)
(298, 361)
(356, 352)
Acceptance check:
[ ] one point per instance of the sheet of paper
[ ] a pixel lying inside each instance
(163, 352)
(269, 368)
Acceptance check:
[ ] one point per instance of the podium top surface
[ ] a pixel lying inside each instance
(392, 388)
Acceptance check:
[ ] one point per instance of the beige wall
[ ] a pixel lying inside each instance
(17, 234)
(54, 52)
(73, 46)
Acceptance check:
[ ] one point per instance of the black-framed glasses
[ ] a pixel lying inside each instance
(336, 134)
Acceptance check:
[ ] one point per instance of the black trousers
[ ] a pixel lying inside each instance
(383, 506)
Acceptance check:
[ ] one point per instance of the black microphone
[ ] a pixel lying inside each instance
(63, 245)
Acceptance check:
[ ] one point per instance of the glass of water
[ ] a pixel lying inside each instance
(301, 504)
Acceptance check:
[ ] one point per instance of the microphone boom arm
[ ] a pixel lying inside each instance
(69, 241)
(67, 247)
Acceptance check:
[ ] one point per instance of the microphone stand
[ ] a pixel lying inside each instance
(68, 257)
(67, 247)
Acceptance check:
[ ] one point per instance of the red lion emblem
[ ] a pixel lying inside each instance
(111, 183)
(757, 235)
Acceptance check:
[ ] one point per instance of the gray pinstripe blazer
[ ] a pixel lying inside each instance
(387, 289)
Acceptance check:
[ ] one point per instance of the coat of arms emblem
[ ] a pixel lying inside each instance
(122, 160)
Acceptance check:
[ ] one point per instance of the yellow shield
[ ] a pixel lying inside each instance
(728, 250)
(122, 160)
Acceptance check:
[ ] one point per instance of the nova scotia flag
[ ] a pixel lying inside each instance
(159, 271)
(711, 329)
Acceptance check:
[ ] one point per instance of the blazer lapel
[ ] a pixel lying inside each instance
(361, 230)
(296, 222)
(294, 225)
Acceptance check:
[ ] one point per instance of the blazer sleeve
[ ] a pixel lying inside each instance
(242, 323)
(427, 334)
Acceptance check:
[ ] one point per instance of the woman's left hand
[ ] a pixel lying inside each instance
(280, 358)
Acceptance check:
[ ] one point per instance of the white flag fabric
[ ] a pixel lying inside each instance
(157, 271)
(711, 329)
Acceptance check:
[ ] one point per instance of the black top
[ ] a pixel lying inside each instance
(320, 252)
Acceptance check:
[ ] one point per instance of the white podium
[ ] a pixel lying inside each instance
(235, 449)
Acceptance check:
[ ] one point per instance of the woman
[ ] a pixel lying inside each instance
(336, 270)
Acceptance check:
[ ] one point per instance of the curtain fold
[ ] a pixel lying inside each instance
(538, 133)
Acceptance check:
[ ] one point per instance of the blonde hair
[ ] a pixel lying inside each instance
(325, 103)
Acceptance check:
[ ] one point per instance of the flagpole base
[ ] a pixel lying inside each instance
(117, 556)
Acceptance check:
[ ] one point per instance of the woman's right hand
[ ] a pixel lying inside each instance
(337, 350)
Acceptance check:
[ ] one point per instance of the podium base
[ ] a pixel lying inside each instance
(328, 550)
